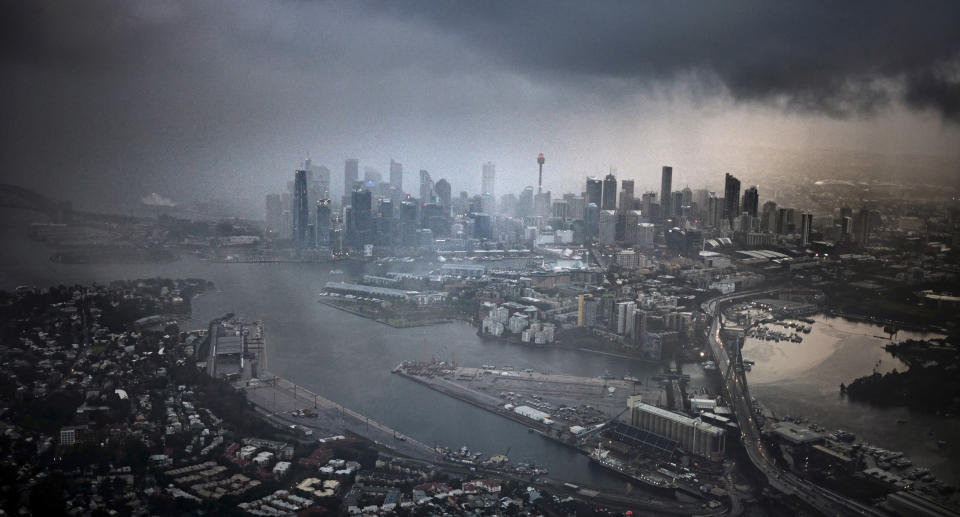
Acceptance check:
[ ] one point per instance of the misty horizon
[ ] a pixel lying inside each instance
(110, 102)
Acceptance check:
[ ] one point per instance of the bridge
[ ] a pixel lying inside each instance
(13, 196)
(735, 388)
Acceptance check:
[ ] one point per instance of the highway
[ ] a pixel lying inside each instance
(735, 388)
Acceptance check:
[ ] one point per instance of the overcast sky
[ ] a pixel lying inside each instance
(107, 101)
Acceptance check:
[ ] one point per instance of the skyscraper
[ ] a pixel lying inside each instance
(862, 227)
(274, 213)
(591, 220)
(575, 206)
(487, 179)
(444, 192)
(408, 223)
(626, 195)
(751, 201)
(323, 222)
(541, 204)
(351, 175)
(426, 187)
(806, 223)
(731, 196)
(594, 191)
(676, 203)
(525, 203)
(488, 204)
(361, 213)
(301, 211)
(371, 175)
(666, 184)
(609, 193)
(782, 223)
(648, 199)
(607, 229)
(714, 210)
(396, 175)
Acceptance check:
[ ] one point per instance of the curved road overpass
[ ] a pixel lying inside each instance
(735, 388)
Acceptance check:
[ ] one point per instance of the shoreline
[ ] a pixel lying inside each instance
(539, 426)
(286, 397)
(384, 321)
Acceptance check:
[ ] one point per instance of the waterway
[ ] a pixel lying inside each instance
(348, 359)
(803, 379)
(344, 357)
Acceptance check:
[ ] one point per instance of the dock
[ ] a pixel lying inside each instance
(566, 399)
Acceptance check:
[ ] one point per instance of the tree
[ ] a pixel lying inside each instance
(48, 496)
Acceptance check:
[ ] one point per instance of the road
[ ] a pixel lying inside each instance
(735, 388)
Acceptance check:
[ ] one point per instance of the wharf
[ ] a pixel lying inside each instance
(393, 320)
(570, 400)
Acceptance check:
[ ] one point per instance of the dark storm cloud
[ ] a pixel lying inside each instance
(835, 58)
(113, 99)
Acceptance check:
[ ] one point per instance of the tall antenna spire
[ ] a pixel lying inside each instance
(540, 161)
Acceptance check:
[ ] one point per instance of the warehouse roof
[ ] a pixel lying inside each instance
(677, 417)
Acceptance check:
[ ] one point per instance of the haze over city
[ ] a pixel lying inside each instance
(292, 257)
(110, 101)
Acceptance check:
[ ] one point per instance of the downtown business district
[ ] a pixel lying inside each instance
(374, 213)
(679, 283)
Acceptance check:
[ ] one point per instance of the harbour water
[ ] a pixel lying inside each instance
(803, 379)
(347, 358)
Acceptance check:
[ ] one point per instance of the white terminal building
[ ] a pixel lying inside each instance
(691, 434)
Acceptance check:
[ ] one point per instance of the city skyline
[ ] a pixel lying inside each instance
(654, 258)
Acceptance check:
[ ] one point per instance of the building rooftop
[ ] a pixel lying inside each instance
(796, 434)
(677, 417)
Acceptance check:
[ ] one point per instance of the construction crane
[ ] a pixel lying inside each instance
(584, 435)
